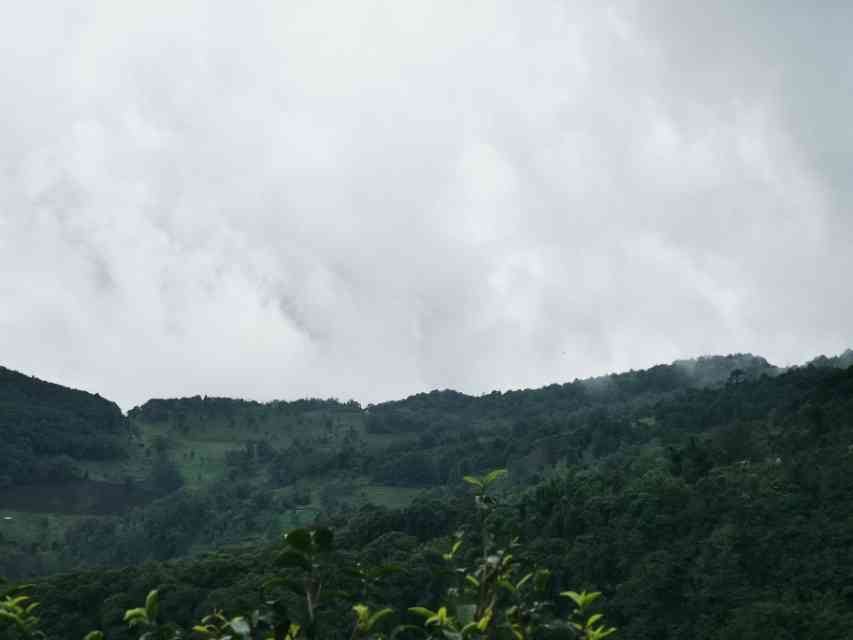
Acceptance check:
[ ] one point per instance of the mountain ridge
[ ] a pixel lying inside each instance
(713, 513)
(705, 369)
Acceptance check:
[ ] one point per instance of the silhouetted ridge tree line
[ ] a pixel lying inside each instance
(44, 427)
(165, 410)
(445, 410)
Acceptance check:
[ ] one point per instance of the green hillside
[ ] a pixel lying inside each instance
(708, 499)
(283, 464)
(48, 429)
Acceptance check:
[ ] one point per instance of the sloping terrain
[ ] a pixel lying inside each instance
(193, 474)
(708, 513)
(46, 429)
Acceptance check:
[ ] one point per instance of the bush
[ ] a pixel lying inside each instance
(489, 594)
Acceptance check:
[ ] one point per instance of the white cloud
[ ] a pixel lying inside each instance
(375, 198)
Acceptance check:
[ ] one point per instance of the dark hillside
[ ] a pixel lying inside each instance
(733, 519)
(712, 513)
(46, 428)
(19, 389)
(238, 470)
(841, 361)
(178, 409)
(438, 410)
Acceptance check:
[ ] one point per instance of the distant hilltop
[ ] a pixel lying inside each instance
(707, 370)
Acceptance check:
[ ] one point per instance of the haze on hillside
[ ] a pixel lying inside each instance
(371, 199)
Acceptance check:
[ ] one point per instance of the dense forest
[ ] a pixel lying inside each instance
(46, 427)
(707, 499)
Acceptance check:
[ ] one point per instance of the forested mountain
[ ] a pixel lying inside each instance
(841, 361)
(708, 499)
(45, 428)
(280, 464)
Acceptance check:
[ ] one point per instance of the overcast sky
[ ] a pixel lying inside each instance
(369, 199)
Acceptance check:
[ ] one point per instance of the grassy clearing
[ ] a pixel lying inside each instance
(36, 531)
(391, 497)
(199, 447)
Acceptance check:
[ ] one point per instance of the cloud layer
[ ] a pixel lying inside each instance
(369, 199)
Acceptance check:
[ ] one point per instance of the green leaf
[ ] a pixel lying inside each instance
(214, 618)
(14, 588)
(541, 579)
(362, 613)
(494, 475)
(152, 605)
(240, 626)
(299, 539)
(473, 480)
(582, 600)
(594, 618)
(471, 579)
(600, 633)
(453, 550)
(440, 618)
(135, 617)
(379, 615)
(94, 635)
(134, 614)
(506, 584)
(209, 630)
(421, 611)
(471, 627)
(11, 617)
(323, 539)
(524, 581)
(485, 620)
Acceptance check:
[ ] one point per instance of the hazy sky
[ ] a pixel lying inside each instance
(369, 199)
